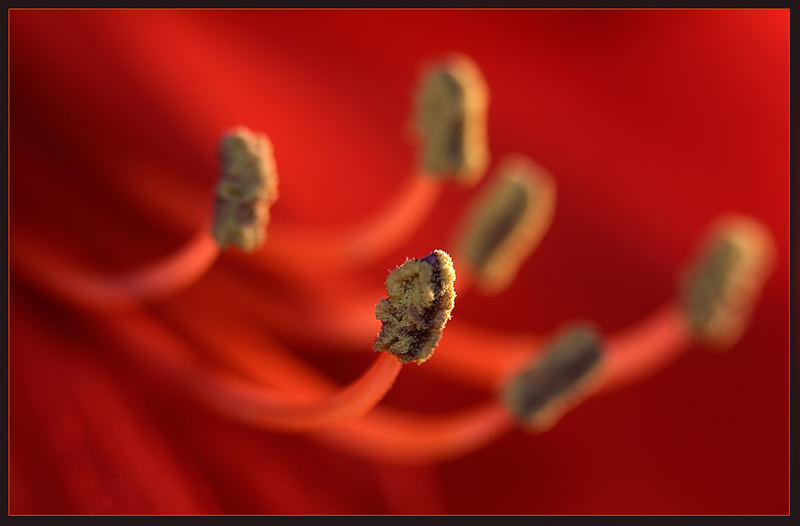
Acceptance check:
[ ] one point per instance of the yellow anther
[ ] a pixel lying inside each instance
(421, 296)
(451, 120)
(248, 186)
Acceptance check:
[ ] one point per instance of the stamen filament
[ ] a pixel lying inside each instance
(301, 249)
(154, 281)
(400, 436)
(250, 402)
(275, 410)
(645, 348)
(248, 350)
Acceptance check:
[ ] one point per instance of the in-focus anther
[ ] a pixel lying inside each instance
(506, 223)
(452, 102)
(421, 297)
(539, 394)
(722, 287)
(248, 186)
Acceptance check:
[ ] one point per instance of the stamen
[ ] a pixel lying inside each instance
(451, 111)
(506, 223)
(382, 434)
(451, 119)
(295, 250)
(539, 394)
(421, 297)
(248, 186)
(722, 288)
(476, 355)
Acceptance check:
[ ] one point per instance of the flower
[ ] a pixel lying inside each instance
(652, 123)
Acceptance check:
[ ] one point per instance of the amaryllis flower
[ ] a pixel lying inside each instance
(602, 354)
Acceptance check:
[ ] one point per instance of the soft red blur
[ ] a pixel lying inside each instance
(652, 122)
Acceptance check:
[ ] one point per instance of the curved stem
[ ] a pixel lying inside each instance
(400, 436)
(253, 403)
(382, 434)
(154, 281)
(248, 350)
(328, 251)
(275, 410)
(645, 348)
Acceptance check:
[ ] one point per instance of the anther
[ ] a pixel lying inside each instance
(544, 390)
(248, 186)
(722, 287)
(506, 223)
(421, 296)
(451, 120)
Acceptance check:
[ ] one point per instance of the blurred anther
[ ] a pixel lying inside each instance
(451, 120)
(722, 287)
(248, 186)
(506, 223)
(539, 394)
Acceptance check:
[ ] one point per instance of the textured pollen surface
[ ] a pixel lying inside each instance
(507, 222)
(721, 289)
(451, 112)
(248, 186)
(421, 296)
(540, 391)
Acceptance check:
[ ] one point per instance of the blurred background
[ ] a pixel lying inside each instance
(651, 122)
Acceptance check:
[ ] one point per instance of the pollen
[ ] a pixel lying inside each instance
(722, 288)
(452, 103)
(506, 223)
(421, 297)
(540, 393)
(248, 186)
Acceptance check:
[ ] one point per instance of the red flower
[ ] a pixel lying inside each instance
(652, 123)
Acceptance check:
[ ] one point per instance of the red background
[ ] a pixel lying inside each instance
(652, 122)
